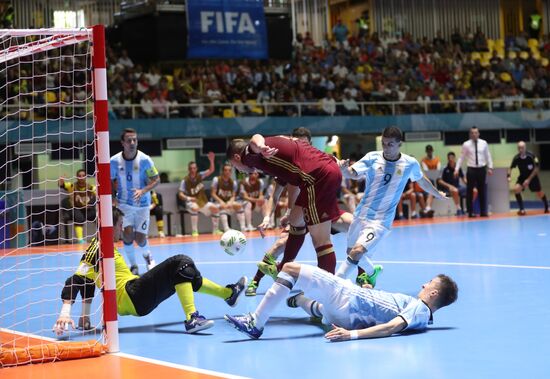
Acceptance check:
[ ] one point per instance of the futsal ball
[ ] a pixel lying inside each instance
(233, 242)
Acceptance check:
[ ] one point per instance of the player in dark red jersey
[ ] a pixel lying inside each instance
(316, 179)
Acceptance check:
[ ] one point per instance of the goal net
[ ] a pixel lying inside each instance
(54, 185)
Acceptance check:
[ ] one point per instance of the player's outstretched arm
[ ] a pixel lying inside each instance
(347, 171)
(427, 186)
(378, 331)
(64, 321)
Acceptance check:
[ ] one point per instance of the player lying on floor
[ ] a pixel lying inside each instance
(139, 295)
(353, 312)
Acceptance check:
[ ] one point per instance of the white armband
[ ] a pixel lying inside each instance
(65, 310)
(353, 334)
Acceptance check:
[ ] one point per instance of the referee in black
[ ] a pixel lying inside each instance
(480, 163)
(528, 166)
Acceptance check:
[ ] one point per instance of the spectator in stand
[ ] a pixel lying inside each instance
(350, 106)
(328, 104)
(453, 186)
(340, 32)
(125, 60)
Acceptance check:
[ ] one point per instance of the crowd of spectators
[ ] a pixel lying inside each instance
(335, 77)
(331, 77)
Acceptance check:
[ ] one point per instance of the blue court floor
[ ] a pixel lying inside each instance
(498, 328)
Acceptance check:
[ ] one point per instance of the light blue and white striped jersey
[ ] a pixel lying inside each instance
(372, 307)
(130, 175)
(385, 181)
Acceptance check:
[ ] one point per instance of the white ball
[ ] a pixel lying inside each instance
(233, 242)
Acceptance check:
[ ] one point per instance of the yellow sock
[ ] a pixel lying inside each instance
(160, 226)
(79, 231)
(210, 288)
(187, 298)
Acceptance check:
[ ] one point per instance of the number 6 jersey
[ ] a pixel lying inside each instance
(384, 184)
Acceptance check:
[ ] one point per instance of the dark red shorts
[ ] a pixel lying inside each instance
(320, 200)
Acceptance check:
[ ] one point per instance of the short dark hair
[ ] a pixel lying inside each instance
(474, 127)
(117, 214)
(393, 132)
(429, 147)
(448, 291)
(79, 171)
(127, 131)
(236, 146)
(302, 132)
(190, 163)
(451, 153)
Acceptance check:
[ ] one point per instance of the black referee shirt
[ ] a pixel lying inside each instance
(525, 165)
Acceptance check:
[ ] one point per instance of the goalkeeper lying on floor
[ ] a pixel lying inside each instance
(138, 296)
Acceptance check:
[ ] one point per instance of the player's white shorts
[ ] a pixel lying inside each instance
(367, 233)
(136, 217)
(332, 292)
(205, 210)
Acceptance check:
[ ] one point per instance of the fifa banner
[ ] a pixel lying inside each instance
(226, 29)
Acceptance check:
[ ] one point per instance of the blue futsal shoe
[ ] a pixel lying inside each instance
(237, 291)
(245, 324)
(197, 322)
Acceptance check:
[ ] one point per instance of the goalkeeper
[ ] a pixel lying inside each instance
(138, 296)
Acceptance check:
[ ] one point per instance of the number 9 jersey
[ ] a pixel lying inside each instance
(384, 184)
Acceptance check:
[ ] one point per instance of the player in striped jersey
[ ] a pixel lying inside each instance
(386, 173)
(134, 175)
(138, 296)
(353, 312)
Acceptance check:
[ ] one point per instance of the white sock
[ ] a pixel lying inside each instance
(248, 213)
(129, 251)
(345, 269)
(240, 218)
(225, 225)
(144, 250)
(194, 223)
(273, 297)
(215, 223)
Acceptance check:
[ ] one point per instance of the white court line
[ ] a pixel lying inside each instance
(434, 263)
(178, 366)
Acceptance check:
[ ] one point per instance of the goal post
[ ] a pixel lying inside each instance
(53, 123)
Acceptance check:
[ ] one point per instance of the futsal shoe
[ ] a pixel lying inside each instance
(149, 261)
(195, 234)
(251, 289)
(369, 279)
(522, 212)
(268, 269)
(134, 269)
(245, 324)
(84, 323)
(238, 289)
(162, 235)
(197, 322)
(218, 232)
(292, 302)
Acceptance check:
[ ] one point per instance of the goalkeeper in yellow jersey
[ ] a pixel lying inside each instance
(138, 296)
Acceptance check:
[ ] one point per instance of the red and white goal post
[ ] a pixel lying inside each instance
(53, 122)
